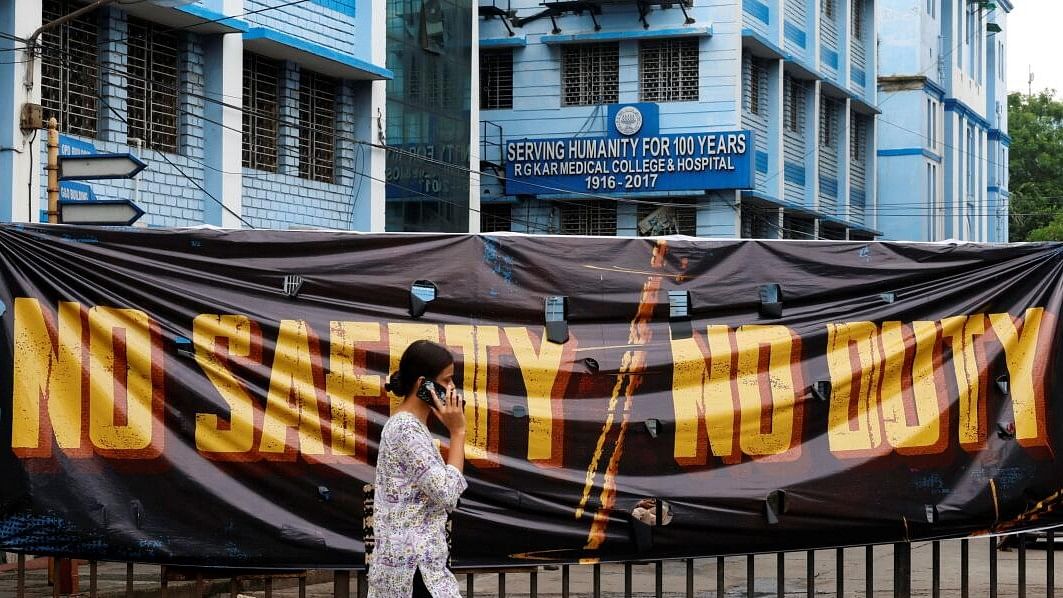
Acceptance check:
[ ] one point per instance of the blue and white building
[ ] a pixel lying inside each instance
(797, 75)
(943, 132)
(247, 112)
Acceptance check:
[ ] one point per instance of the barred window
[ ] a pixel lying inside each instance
(858, 20)
(495, 217)
(496, 79)
(828, 123)
(152, 85)
(262, 78)
(828, 9)
(668, 70)
(858, 139)
(595, 217)
(794, 112)
(590, 74)
(317, 121)
(755, 80)
(70, 69)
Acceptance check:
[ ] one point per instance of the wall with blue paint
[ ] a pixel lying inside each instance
(173, 188)
(924, 56)
(340, 25)
(782, 33)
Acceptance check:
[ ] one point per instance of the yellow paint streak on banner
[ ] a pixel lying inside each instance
(45, 372)
(631, 367)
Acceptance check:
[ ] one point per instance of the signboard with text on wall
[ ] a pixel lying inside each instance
(632, 157)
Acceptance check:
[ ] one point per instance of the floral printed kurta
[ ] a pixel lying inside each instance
(414, 492)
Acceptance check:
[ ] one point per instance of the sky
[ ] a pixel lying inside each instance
(1036, 43)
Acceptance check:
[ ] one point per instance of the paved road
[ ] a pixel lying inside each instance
(112, 577)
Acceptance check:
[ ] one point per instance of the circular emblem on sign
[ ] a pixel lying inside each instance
(628, 120)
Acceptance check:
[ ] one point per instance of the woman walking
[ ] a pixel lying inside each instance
(415, 489)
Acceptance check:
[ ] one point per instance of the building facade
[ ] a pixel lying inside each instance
(795, 76)
(260, 113)
(943, 132)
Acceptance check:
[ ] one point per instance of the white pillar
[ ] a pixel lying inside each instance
(224, 64)
(20, 150)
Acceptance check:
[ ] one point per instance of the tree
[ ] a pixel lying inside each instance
(1036, 162)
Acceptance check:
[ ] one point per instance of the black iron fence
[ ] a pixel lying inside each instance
(955, 571)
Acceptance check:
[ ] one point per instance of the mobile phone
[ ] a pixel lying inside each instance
(425, 392)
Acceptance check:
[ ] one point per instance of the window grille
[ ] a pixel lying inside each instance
(152, 85)
(495, 217)
(317, 122)
(756, 80)
(590, 74)
(588, 218)
(668, 70)
(797, 227)
(684, 215)
(261, 89)
(828, 123)
(858, 20)
(70, 69)
(858, 139)
(795, 105)
(828, 9)
(496, 79)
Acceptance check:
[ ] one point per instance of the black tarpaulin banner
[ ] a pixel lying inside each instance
(208, 397)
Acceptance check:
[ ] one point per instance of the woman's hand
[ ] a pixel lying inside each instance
(450, 409)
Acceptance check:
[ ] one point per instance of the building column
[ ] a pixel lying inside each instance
(223, 124)
(627, 219)
(114, 56)
(719, 215)
(191, 81)
(20, 150)
(288, 125)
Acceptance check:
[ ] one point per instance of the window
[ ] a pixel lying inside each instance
(588, 218)
(495, 217)
(261, 84)
(828, 123)
(857, 139)
(858, 20)
(755, 80)
(590, 74)
(679, 218)
(69, 70)
(1000, 62)
(794, 112)
(317, 122)
(496, 79)
(152, 85)
(668, 70)
(969, 37)
(828, 9)
(931, 124)
(970, 162)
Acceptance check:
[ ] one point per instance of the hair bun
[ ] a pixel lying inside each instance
(394, 384)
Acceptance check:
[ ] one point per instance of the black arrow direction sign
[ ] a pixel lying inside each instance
(103, 212)
(99, 166)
